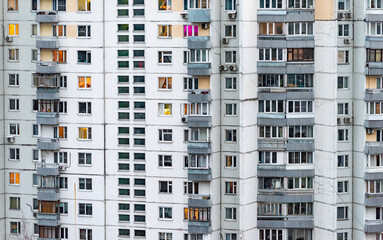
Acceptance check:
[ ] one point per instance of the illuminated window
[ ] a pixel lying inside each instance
(84, 82)
(165, 83)
(15, 227)
(61, 132)
(59, 56)
(164, 31)
(84, 5)
(13, 29)
(13, 5)
(14, 178)
(85, 133)
(165, 109)
(59, 30)
(165, 5)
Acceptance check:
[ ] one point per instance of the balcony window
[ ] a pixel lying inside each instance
(270, 80)
(271, 54)
(270, 28)
(59, 56)
(300, 183)
(300, 54)
(13, 5)
(374, 186)
(297, 4)
(270, 106)
(190, 83)
(303, 28)
(270, 183)
(199, 161)
(196, 109)
(374, 55)
(164, 31)
(199, 56)
(268, 157)
(270, 209)
(271, 132)
(190, 30)
(374, 160)
(374, 28)
(270, 4)
(301, 234)
(300, 106)
(197, 214)
(164, 5)
(300, 157)
(190, 4)
(191, 187)
(300, 209)
(374, 4)
(275, 234)
(300, 80)
(300, 131)
(84, 5)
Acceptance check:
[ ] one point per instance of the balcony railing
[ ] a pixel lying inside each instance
(49, 81)
(43, 16)
(199, 96)
(373, 226)
(48, 144)
(47, 42)
(47, 67)
(48, 169)
(199, 201)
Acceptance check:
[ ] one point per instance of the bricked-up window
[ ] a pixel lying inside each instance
(300, 54)
(270, 28)
(374, 55)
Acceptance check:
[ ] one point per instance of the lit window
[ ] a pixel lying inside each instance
(190, 30)
(84, 82)
(164, 31)
(59, 56)
(231, 161)
(13, 5)
(165, 5)
(13, 29)
(59, 30)
(165, 83)
(15, 227)
(85, 133)
(84, 5)
(61, 132)
(14, 178)
(165, 109)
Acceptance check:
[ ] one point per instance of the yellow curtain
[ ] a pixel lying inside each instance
(81, 5)
(83, 133)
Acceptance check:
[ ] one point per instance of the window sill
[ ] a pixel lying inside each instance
(84, 165)
(82, 139)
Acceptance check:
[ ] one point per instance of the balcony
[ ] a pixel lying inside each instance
(271, 67)
(47, 118)
(373, 95)
(48, 219)
(373, 226)
(47, 93)
(199, 69)
(374, 42)
(48, 233)
(374, 68)
(199, 96)
(47, 68)
(373, 200)
(48, 81)
(281, 171)
(285, 198)
(300, 145)
(52, 144)
(373, 148)
(301, 15)
(47, 16)
(199, 147)
(47, 42)
(271, 144)
(48, 169)
(199, 15)
(199, 227)
(199, 174)
(200, 42)
(48, 194)
(202, 121)
(289, 222)
(199, 201)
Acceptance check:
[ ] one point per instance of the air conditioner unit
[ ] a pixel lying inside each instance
(347, 120)
(340, 15)
(347, 41)
(35, 214)
(184, 15)
(233, 68)
(347, 15)
(370, 131)
(225, 40)
(339, 120)
(184, 119)
(61, 168)
(11, 139)
(8, 39)
(223, 68)
(233, 15)
(204, 25)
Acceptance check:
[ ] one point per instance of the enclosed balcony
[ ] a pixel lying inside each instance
(48, 144)
(47, 68)
(373, 199)
(199, 69)
(199, 148)
(46, 81)
(48, 194)
(373, 147)
(199, 15)
(47, 219)
(199, 42)
(47, 42)
(48, 112)
(47, 93)
(199, 200)
(48, 233)
(199, 220)
(199, 174)
(373, 226)
(47, 16)
(198, 114)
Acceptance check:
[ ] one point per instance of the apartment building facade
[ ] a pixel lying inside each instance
(192, 120)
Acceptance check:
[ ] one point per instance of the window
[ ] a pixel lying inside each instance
(305, 209)
(85, 209)
(230, 213)
(231, 188)
(34, 55)
(231, 135)
(85, 183)
(271, 54)
(300, 106)
(300, 4)
(63, 183)
(342, 108)
(35, 129)
(193, 236)
(269, 209)
(165, 109)
(123, 2)
(300, 183)
(270, 183)
(14, 129)
(300, 80)
(13, 5)
(165, 83)
(122, 53)
(13, 30)
(190, 30)
(122, 27)
(35, 180)
(230, 4)
(270, 3)
(164, 31)
(270, 131)
(123, 12)
(165, 236)
(374, 28)
(165, 161)
(14, 203)
(85, 108)
(14, 105)
(35, 204)
(166, 186)
(59, 31)
(63, 208)
(374, 4)
(63, 107)
(300, 54)
(344, 5)
(342, 213)
(190, 83)
(63, 81)
(139, 233)
(165, 213)
(300, 28)
(84, 6)
(85, 234)
(13, 54)
(165, 5)
(165, 135)
(85, 133)
(59, 56)
(343, 30)
(165, 57)
(343, 161)
(231, 83)
(14, 178)
(123, 38)
(342, 82)
(300, 131)
(84, 82)
(15, 227)
(63, 233)
(138, 27)
(35, 155)
(270, 28)
(343, 56)
(191, 187)
(300, 157)
(84, 31)
(84, 57)
(199, 55)
(344, 236)
(343, 187)
(13, 80)
(342, 135)
(233, 236)
(231, 31)
(230, 56)
(231, 161)
(34, 30)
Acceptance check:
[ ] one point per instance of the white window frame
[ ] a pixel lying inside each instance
(86, 205)
(86, 183)
(88, 108)
(190, 83)
(16, 105)
(16, 153)
(346, 5)
(233, 161)
(266, 54)
(16, 54)
(199, 56)
(16, 80)
(343, 109)
(303, 106)
(231, 214)
(191, 188)
(168, 30)
(343, 186)
(234, 135)
(230, 57)
(269, 105)
(279, 4)
(376, 158)
(163, 159)
(343, 135)
(88, 132)
(231, 81)
(271, 28)
(17, 129)
(309, 129)
(162, 216)
(300, 28)
(88, 232)
(231, 31)
(267, 233)
(162, 109)
(163, 55)
(343, 56)
(61, 157)
(343, 209)
(163, 133)
(228, 187)
(343, 80)
(88, 31)
(342, 236)
(168, 82)
(168, 187)
(271, 132)
(343, 30)
(231, 109)
(309, 156)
